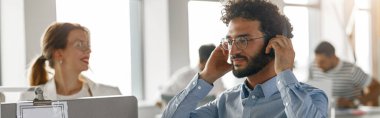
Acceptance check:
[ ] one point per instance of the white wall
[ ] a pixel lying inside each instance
(333, 20)
(156, 46)
(38, 15)
(166, 42)
(136, 48)
(178, 34)
(22, 24)
(13, 43)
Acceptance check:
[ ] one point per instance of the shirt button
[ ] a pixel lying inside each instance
(278, 82)
(193, 83)
(286, 104)
(199, 87)
(253, 97)
(176, 105)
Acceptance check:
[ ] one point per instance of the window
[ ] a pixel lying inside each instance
(298, 13)
(298, 17)
(297, 2)
(363, 35)
(108, 22)
(205, 27)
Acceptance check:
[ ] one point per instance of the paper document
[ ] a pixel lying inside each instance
(55, 110)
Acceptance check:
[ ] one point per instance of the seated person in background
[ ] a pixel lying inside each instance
(349, 81)
(66, 48)
(181, 78)
(259, 46)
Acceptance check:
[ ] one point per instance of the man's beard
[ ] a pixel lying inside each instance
(255, 64)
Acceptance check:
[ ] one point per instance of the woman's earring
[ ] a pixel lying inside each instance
(60, 62)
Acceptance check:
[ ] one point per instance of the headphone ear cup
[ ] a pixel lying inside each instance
(267, 38)
(271, 53)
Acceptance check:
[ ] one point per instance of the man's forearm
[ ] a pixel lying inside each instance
(185, 102)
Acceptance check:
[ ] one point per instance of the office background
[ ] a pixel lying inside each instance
(138, 44)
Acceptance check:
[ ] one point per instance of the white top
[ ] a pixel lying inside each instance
(181, 78)
(50, 92)
(348, 79)
(84, 92)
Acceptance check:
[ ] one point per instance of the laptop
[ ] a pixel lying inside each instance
(92, 107)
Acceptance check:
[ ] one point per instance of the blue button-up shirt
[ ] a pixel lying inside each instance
(280, 97)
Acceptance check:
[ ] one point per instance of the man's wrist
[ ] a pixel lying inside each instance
(204, 76)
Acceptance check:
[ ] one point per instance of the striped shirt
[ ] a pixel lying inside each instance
(348, 79)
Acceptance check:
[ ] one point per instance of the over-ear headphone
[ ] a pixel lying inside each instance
(267, 38)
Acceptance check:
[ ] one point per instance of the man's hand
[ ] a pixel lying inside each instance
(216, 65)
(284, 53)
(371, 94)
(344, 103)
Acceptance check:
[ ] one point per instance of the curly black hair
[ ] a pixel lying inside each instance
(272, 22)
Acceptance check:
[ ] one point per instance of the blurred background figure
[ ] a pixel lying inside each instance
(181, 78)
(350, 84)
(66, 49)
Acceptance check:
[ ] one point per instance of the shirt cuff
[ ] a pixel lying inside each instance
(286, 78)
(199, 87)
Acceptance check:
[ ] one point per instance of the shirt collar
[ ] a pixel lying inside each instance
(265, 89)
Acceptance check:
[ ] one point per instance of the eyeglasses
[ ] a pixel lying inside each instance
(82, 45)
(240, 42)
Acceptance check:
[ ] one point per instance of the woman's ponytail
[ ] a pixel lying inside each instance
(38, 74)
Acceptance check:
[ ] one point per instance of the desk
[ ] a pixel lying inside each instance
(361, 112)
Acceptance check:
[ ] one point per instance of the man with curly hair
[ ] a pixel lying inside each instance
(259, 47)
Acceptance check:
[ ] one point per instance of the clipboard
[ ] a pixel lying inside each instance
(49, 110)
(91, 107)
(40, 108)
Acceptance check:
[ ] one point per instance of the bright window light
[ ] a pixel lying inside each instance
(108, 22)
(362, 40)
(298, 17)
(304, 2)
(205, 27)
(362, 4)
